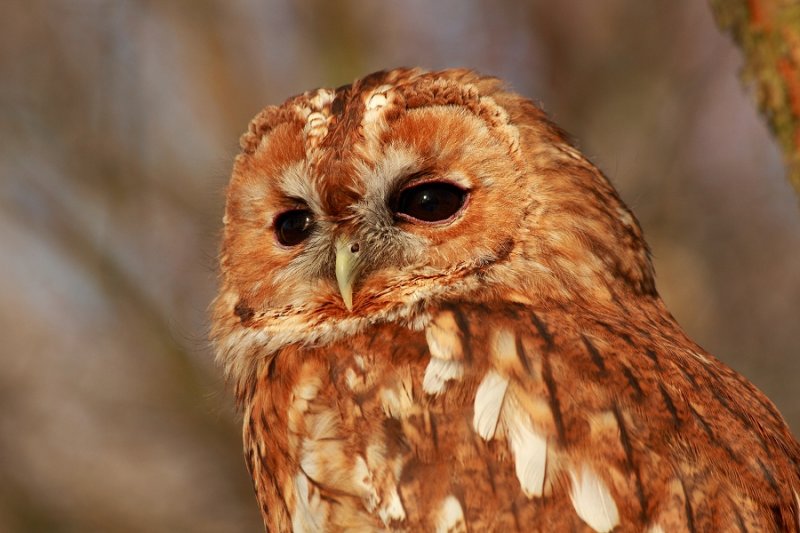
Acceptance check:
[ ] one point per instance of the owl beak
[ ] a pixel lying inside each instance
(347, 262)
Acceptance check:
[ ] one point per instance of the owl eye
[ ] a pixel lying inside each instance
(293, 227)
(430, 202)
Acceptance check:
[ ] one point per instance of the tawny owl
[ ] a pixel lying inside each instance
(439, 316)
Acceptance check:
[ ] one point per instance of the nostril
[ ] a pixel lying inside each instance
(354, 248)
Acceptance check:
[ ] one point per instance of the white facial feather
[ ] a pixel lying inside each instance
(394, 163)
(295, 183)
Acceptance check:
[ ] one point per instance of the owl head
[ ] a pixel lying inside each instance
(368, 203)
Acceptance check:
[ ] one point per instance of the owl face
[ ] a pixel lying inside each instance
(364, 204)
(349, 234)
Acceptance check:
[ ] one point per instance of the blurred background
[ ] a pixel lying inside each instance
(118, 124)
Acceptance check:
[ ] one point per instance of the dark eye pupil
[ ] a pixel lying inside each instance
(431, 202)
(293, 227)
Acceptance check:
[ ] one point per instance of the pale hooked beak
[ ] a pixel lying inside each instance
(347, 263)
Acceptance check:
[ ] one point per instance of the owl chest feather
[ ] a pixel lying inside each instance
(504, 418)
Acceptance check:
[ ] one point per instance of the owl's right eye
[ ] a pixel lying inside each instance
(430, 202)
(293, 227)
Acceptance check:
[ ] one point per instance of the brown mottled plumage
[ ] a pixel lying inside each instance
(509, 366)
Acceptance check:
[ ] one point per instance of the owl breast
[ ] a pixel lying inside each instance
(494, 418)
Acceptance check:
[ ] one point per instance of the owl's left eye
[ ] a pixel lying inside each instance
(293, 227)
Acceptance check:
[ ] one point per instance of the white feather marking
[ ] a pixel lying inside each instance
(322, 455)
(323, 425)
(360, 362)
(397, 400)
(451, 516)
(593, 501)
(376, 101)
(323, 461)
(655, 528)
(392, 509)
(309, 462)
(362, 479)
(310, 512)
(529, 448)
(308, 389)
(443, 336)
(625, 217)
(505, 346)
(314, 131)
(504, 353)
(797, 501)
(352, 380)
(488, 404)
(440, 371)
(390, 402)
(322, 98)
(386, 471)
(700, 357)
(315, 120)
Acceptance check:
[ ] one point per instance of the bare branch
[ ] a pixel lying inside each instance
(768, 32)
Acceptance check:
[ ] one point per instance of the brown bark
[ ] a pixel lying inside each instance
(768, 32)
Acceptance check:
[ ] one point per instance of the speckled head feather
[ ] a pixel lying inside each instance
(439, 315)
